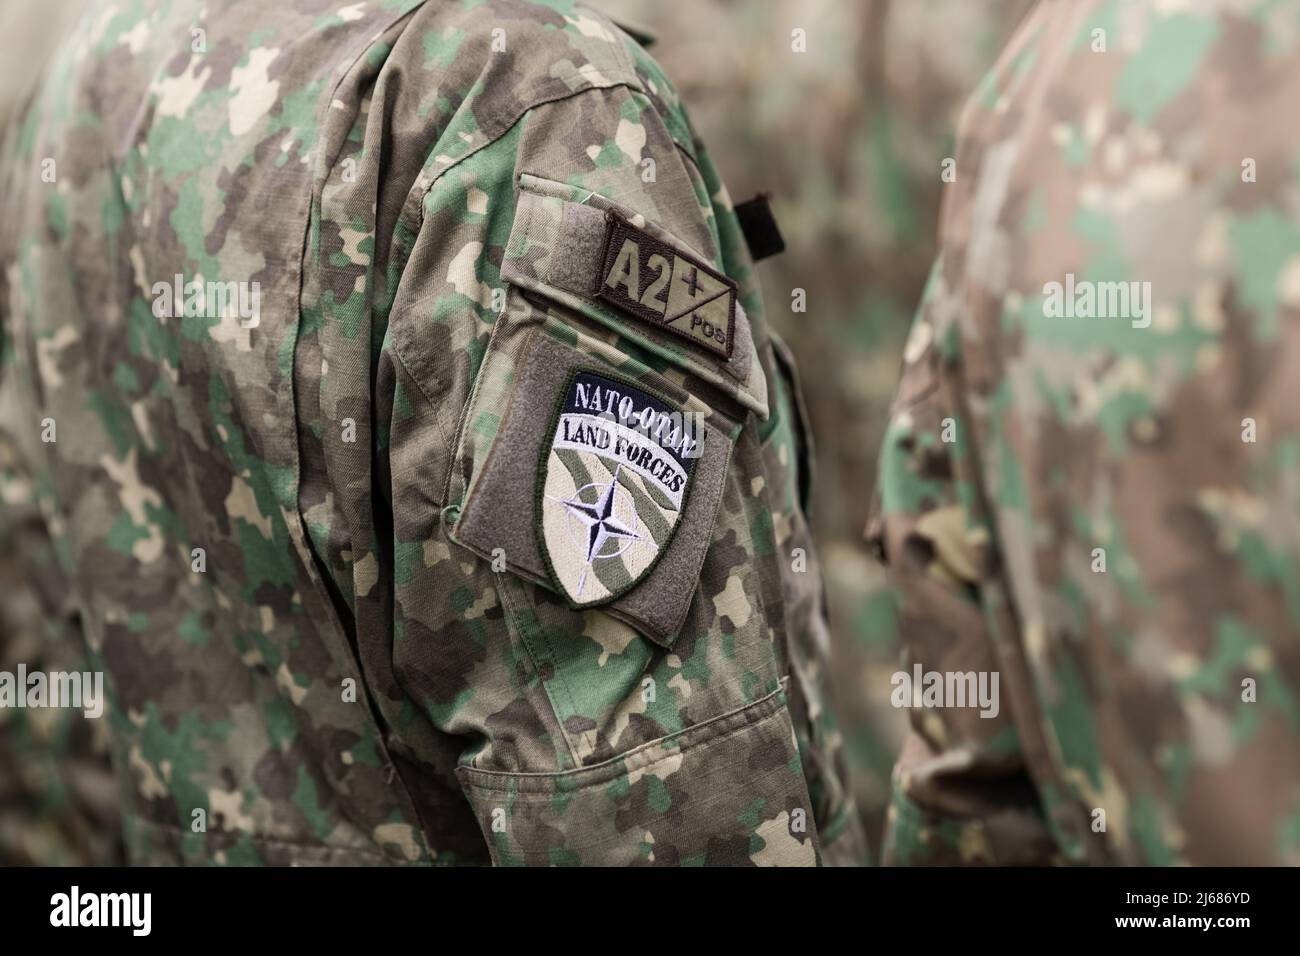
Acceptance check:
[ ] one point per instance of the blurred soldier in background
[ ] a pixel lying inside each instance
(58, 802)
(1090, 485)
(416, 457)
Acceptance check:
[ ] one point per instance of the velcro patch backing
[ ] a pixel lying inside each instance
(649, 279)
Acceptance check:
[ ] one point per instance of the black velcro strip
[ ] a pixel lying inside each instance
(762, 234)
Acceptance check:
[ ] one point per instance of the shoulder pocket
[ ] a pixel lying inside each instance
(593, 454)
(571, 246)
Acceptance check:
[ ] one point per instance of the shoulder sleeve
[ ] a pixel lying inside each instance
(578, 488)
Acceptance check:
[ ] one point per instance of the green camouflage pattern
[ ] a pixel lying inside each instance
(1102, 510)
(58, 802)
(332, 678)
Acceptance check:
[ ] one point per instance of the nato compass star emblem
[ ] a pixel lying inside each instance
(600, 522)
(612, 485)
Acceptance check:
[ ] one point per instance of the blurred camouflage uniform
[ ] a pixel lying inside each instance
(312, 548)
(1103, 532)
(58, 804)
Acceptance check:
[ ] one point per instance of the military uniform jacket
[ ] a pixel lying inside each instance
(426, 480)
(1088, 484)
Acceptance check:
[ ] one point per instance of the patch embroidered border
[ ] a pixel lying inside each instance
(683, 296)
(612, 510)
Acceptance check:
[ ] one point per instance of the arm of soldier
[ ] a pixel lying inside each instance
(961, 789)
(583, 737)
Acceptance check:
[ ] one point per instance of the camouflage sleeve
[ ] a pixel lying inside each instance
(578, 617)
(429, 484)
(962, 792)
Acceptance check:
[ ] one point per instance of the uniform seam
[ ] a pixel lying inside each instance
(314, 565)
(270, 840)
(438, 421)
(702, 811)
(505, 582)
(505, 131)
(462, 418)
(766, 706)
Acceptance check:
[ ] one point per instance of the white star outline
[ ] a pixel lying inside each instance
(602, 525)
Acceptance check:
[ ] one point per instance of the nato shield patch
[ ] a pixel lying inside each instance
(612, 483)
(651, 280)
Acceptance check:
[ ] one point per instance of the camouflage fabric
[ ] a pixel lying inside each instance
(1089, 487)
(58, 804)
(314, 652)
